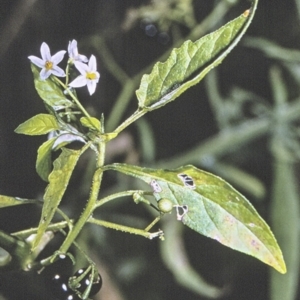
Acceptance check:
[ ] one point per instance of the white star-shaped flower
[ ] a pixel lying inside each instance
(89, 75)
(49, 63)
(73, 53)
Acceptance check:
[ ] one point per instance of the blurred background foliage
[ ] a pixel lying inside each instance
(241, 123)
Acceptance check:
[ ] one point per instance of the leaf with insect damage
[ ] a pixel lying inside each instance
(212, 207)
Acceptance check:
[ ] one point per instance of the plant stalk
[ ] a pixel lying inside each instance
(96, 183)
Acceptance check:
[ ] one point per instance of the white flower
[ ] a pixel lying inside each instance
(73, 53)
(48, 63)
(89, 75)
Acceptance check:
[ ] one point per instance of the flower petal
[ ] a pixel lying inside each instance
(93, 63)
(91, 85)
(45, 73)
(73, 53)
(67, 138)
(78, 81)
(81, 67)
(82, 58)
(45, 52)
(72, 49)
(57, 71)
(58, 57)
(97, 76)
(37, 61)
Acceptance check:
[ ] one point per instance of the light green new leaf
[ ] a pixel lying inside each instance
(49, 91)
(187, 65)
(213, 208)
(92, 123)
(58, 182)
(6, 201)
(43, 162)
(38, 125)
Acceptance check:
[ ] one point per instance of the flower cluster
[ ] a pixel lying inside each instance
(49, 65)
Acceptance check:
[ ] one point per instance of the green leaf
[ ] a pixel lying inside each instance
(212, 207)
(44, 163)
(6, 201)
(92, 123)
(37, 125)
(187, 65)
(58, 182)
(49, 91)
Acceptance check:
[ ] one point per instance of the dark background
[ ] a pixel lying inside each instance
(24, 25)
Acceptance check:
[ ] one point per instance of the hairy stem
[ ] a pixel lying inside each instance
(135, 116)
(86, 214)
(127, 229)
(117, 195)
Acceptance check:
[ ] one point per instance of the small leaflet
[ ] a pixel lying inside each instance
(181, 211)
(187, 180)
(155, 186)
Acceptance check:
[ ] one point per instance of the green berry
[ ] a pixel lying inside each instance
(165, 205)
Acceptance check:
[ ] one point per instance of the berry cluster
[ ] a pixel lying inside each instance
(62, 288)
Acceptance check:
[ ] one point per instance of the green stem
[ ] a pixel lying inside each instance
(74, 99)
(69, 222)
(97, 178)
(67, 73)
(135, 116)
(153, 223)
(52, 227)
(117, 195)
(128, 229)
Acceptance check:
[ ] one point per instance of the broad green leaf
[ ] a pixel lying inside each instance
(187, 65)
(6, 201)
(92, 123)
(43, 162)
(37, 125)
(49, 91)
(58, 182)
(212, 207)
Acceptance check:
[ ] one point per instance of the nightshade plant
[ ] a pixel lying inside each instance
(202, 201)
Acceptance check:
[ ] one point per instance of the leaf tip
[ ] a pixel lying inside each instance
(246, 13)
(281, 268)
(17, 130)
(279, 264)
